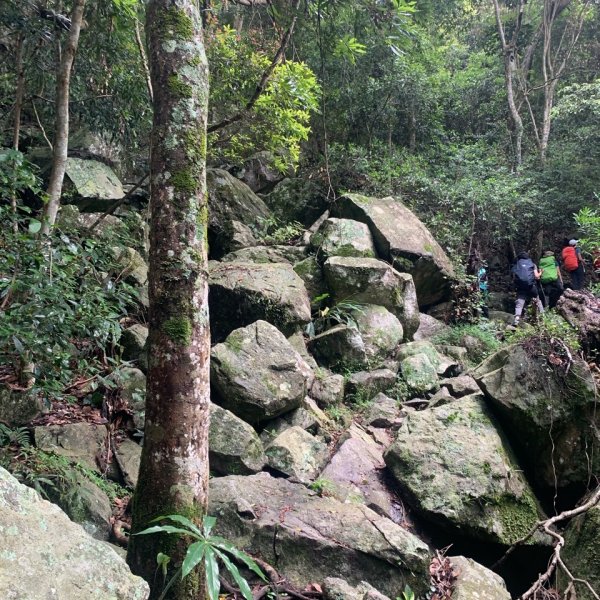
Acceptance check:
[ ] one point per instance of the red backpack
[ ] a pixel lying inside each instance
(569, 256)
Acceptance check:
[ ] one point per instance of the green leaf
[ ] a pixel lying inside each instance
(223, 544)
(212, 573)
(163, 529)
(207, 524)
(241, 582)
(34, 226)
(194, 554)
(183, 520)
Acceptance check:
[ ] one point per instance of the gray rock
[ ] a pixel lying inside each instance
(267, 254)
(354, 473)
(234, 446)
(260, 171)
(339, 347)
(429, 328)
(343, 237)
(458, 353)
(241, 293)
(463, 385)
(419, 373)
(132, 383)
(231, 200)
(381, 332)
(474, 581)
(402, 239)
(532, 401)
(45, 555)
(458, 472)
(311, 272)
(296, 199)
(79, 442)
(241, 236)
(298, 343)
(133, 340)
(372, 281)
(257, 374)
(18, 407)
(367, 384)
(338, 589)
(383, 412)
(311, 538)
(441, 397)
(297, 454)
(134, 270)
(128, 455)
(327, 388)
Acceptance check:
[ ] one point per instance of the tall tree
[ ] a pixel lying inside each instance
(61, 127)
(174, 466)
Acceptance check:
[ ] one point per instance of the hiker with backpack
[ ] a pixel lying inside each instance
(483, 289)
(550, 279)
(573, 263)
(526, 275)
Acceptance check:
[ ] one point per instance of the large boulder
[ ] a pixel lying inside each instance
(241, 293)
(78, 442)
(311, 272)
(297, 454)
(300, 200)
(372, 281)
(550, 417)
(582, 311)
(343, 237)
(354, 473)
(402, 239)
(234, 447)
(18, 407)
(474, 581)
(267, 254)
(335, 588)
(310, 538)
(419, 373)
(582, 540)
(45, 555)
(257, 374)
(457, 471)
(230, 200)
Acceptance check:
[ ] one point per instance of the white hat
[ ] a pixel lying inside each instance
(573, 242)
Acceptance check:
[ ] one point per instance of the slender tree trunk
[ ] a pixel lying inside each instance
(144, 59)
(61, 127)
(174, 466)
(20, 90)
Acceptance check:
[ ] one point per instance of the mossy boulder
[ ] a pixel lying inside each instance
(458, 472)
(339, 346)
(476, 581)
(46, 555)
(267, 254)
(550, 416)
(241, 293)
(403, 240)
(343, 237)
(419, 373)
(133, 341)
(231, 200)
(311, 272)
(335, 588)
(372, 281)
(18, 407)
(297, 454)
(234, 446)
(257, 374)
(581, 552)
(300, 200)
(311, 537)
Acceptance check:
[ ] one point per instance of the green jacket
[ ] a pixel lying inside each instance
(549, 268)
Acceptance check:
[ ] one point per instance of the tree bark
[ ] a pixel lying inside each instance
(20, 90)
(174, 466)
(61, 127)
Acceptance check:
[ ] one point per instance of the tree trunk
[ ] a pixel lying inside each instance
(61, 127)
(20, 90)
(174, 467)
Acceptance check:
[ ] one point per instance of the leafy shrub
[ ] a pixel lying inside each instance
(61, 304)
(550, 329)
(483, 343)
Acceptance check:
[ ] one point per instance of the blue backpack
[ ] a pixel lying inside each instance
(524, 272)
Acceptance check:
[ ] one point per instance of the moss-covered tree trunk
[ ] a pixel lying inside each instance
(174, 467)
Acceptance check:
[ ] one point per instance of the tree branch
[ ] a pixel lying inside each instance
(262, 84)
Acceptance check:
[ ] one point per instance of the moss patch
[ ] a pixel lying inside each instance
(179, 330)
(185, 181)
(178, 88)
(177, 23)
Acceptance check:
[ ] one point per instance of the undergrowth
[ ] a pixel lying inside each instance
(484, 334)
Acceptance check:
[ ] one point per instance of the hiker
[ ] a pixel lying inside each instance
(525, 275)
(482, 286)
(573, 263)
(551, 279)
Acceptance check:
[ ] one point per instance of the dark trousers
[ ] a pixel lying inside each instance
(577, 277)
(552, 292)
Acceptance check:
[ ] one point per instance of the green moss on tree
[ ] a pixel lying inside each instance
(178, 24)
(185, 181)
(178, 88)
(179, 330)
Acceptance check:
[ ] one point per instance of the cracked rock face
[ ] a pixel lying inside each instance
(308, 538)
